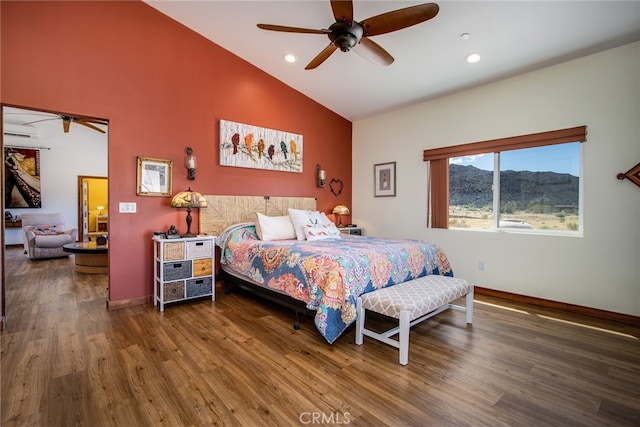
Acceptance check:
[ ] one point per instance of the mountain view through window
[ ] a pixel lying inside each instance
(536, 188)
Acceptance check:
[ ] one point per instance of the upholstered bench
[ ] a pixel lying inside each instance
(412, 302)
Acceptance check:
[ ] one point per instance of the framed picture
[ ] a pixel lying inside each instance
(22, 178)
(384, 179)
(154, 177)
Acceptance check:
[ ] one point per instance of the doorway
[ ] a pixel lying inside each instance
(68, 146)
(93, 207)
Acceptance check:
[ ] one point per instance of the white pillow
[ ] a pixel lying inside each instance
(322, 231)
(326, 220)
(302, 219)
(274, 227)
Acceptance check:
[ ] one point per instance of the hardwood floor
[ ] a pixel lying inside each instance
(66, 360)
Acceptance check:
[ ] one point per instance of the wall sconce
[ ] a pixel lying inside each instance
(322, 175)
(191, 164)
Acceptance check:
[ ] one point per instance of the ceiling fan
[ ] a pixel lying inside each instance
(84, 121)
(347, 34)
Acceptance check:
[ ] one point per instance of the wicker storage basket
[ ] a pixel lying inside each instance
(199, 287)
(173, 251)
(174, 291)
(199, 249)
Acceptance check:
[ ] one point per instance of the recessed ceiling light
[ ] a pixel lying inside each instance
(289, 58)
(472, 58)
(465, 36)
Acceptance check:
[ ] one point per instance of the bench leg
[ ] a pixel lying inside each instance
(405, 325)
(470, 307)
(359, 321)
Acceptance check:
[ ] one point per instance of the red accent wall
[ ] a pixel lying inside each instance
(162, 87)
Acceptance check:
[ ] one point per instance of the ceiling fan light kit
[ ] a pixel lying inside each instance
(347, 34)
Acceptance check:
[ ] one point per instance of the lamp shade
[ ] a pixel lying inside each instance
(341, 210)
(188, 199)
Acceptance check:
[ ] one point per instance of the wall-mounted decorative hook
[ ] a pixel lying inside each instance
(632, 175)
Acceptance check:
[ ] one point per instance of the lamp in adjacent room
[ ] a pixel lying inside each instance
(189, 199)
(341, 210)
(100, 209)
(191, 165)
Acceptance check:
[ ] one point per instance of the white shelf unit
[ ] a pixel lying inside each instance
(183, 269)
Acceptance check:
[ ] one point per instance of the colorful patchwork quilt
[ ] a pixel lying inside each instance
(328, 275)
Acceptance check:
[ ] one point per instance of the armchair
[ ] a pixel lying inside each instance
(44, 235)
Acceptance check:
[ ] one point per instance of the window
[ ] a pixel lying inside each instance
(525, 182)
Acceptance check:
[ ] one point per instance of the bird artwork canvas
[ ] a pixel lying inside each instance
(249, 146)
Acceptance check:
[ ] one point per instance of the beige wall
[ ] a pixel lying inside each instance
(601, 269)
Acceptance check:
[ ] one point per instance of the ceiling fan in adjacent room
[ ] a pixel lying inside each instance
(84, 121)
(346, 33)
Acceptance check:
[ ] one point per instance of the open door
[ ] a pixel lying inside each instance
(93, 207)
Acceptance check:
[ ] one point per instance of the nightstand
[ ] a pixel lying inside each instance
(183, 269)
(351, 230)
(101, 222)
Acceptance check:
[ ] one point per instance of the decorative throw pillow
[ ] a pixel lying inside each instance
(302, 219)
(322, 231)
(46, 230)
(274, 227)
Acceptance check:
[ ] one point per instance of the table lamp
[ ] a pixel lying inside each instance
(188, 199)
(341, 210)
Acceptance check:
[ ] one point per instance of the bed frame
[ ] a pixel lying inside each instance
(224, 211)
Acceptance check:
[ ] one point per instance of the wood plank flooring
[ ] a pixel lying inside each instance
(237, 361)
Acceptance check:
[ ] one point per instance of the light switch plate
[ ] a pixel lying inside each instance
(127, 207)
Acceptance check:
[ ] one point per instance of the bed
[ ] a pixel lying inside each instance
(326, 275)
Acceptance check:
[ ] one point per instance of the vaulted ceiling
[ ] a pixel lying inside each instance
(512, 37)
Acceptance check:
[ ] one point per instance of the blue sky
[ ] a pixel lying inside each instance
(561, 158)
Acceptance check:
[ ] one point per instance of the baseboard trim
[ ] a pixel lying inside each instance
(571, 308)
(131, 302)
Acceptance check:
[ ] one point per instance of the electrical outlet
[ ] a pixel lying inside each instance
(127, 207)
(481, 265)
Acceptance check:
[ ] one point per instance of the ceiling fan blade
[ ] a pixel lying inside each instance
(66, 122)
(322, 56)
(95, 121)
(342, 10)
(41, 120)
(291, 29)
(399, 19)
(89, 125)
(373, 52)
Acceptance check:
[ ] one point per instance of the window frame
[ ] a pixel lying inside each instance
(438, 161)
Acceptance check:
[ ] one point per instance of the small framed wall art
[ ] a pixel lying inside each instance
(384, 179)
(154, 177)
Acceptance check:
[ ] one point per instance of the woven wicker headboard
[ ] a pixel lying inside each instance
(224, 211)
